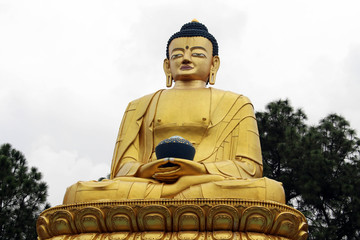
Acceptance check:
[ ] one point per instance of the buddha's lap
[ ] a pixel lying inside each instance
(139, 188)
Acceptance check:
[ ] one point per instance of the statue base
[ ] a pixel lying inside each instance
(172, 219)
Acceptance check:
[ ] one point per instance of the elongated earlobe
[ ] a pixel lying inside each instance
(212, 78)
(214, 69)
(167, 71)
(168, 80)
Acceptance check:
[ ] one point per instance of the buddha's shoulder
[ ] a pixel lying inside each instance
(216, 94)
(145, 100)
(228, 96)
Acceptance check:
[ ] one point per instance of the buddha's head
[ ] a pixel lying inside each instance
(191, 54)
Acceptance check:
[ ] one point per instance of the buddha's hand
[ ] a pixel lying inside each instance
(149, 169)
(175, 168)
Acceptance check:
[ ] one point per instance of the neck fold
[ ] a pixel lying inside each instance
(192, 84)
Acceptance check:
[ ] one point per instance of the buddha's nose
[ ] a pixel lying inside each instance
(186, 61)
(187, 57)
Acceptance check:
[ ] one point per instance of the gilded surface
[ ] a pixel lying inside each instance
(150, 198)
(173, 219)
(221, 126)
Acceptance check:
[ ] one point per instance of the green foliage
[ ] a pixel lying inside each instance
(281, 131)
(318, 165)
(22, 195)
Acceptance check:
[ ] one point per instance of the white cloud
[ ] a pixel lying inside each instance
(62, 168)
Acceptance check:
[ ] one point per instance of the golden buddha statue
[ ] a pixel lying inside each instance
(218, 194)
(221, 126)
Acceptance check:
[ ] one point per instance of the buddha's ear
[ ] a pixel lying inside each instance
(167, 72)
(213, 69)
(215, 64)
(167, 66)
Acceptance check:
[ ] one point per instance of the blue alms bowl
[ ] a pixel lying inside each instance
(175, 147)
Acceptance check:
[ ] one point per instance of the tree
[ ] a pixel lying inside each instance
(318, 165)
(330, 192)
(22, 195)
(281, 131)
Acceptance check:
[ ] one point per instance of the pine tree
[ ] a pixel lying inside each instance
(330, 191)
(319, 167)
(22, 195)
(281, 131)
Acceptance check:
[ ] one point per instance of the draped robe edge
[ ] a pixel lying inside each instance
(228, 106)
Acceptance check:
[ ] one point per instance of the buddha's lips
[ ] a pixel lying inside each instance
(186, 67)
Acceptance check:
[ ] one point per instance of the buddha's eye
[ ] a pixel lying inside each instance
(176, 56)
(198, 55)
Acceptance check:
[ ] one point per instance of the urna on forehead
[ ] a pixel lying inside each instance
(194, 29)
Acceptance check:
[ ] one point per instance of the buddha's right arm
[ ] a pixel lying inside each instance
(131, 166)
(125, 163)
(128, 165)
(129, 153)
(125, 160)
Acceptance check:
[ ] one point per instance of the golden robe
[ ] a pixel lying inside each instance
(220, 124)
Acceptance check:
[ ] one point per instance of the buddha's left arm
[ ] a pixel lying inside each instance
(239, 155)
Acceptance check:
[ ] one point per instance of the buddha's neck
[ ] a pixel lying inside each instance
(192, 84)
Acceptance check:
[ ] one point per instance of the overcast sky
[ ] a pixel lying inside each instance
(69, 68)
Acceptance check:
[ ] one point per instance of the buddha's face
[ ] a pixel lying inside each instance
(190, 58)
